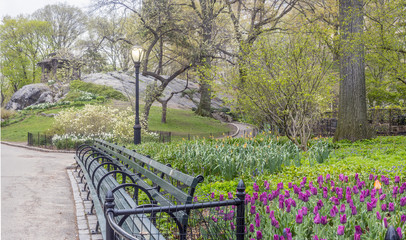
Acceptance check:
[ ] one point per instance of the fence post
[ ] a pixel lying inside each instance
(109, 207)
(241, 211)
(391, 234)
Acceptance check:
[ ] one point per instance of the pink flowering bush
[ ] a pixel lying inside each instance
(356, 207)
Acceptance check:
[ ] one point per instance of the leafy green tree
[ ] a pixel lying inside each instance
(385, 39)
(68, 23)
(287, 84)
(23, 43)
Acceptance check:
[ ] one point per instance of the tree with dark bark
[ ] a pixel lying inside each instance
(352, 112)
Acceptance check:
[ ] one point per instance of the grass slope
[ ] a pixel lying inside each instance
(179, 122)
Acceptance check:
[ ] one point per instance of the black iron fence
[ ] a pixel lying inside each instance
(45, 141)
(206, 220)
(384, 121)
(39, 139)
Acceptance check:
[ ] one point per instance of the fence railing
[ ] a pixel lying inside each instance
(39, 139)
(45, 141)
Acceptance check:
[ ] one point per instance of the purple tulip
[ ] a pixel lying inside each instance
(335, 200)
(333, 213)
(328, 177)
(361, 197)
(252, 229)
(287, 233)
(385, 221)
(259, 235)
(370, 206)
(315, 210)
(391, 207)
(324, 220)
(304, 210)
(230, 195)
(403, 202)
(341, 177)
(357, 236)
(403, 218)
(340, 230)
(280, 186)
(257, 220)
(256, 187)
(397, 179)
(287, 194)
(320, 204)
(317, 219)
(378, 216)
(354, 210)
(290, 185)
(252, 211)
(355, 190)
(383, 207)
(313, 190)
(343, 219)
(358, 230)
(371, 176)
(299, 218)
(275, 223)
(232, 226)
(221, 197)
(255, 195)
(346, 179)
(382, 197)
(271, 215)
(276, 237)
(342, 208)
(356, 176)
(399, 230)
(212, 195)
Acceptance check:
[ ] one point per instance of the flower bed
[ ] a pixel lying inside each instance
(350, 207)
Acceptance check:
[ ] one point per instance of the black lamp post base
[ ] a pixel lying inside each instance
(137, 134)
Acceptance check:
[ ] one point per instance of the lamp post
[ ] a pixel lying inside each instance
(137, 53)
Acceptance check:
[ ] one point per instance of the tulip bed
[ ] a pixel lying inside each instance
(350, 207)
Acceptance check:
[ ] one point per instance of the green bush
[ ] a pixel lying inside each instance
(100, 90)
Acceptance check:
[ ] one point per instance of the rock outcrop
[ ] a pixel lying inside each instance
(29, 95)
(125, 84)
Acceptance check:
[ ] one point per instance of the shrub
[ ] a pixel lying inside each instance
(7, 114)
(96, 121)
(96, 89)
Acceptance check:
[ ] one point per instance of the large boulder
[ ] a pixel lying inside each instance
(126, 84)
(29, 95)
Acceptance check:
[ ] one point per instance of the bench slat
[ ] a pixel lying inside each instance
(172, 190)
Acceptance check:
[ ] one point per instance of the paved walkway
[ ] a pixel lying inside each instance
(244, 130)
(36, 195)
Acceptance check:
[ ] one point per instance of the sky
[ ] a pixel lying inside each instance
(16, 7)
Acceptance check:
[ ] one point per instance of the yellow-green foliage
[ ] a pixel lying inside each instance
(6, 114)
(95, 121)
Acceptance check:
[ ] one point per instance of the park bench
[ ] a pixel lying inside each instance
(128, 190)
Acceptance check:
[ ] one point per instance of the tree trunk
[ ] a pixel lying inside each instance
(204, 108)
(352, 110)
(164, 108)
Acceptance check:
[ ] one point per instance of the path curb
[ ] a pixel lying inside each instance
(36, 148)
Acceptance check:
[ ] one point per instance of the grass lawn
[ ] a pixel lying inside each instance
(179, 122)
(17, 132)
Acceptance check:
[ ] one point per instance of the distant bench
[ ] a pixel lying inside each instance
(128, 190)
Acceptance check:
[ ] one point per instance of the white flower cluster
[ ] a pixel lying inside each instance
(86, 96)
(75, 138)
(46, 105)
(98, 121)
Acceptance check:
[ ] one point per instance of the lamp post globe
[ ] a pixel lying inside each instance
(137, 53)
